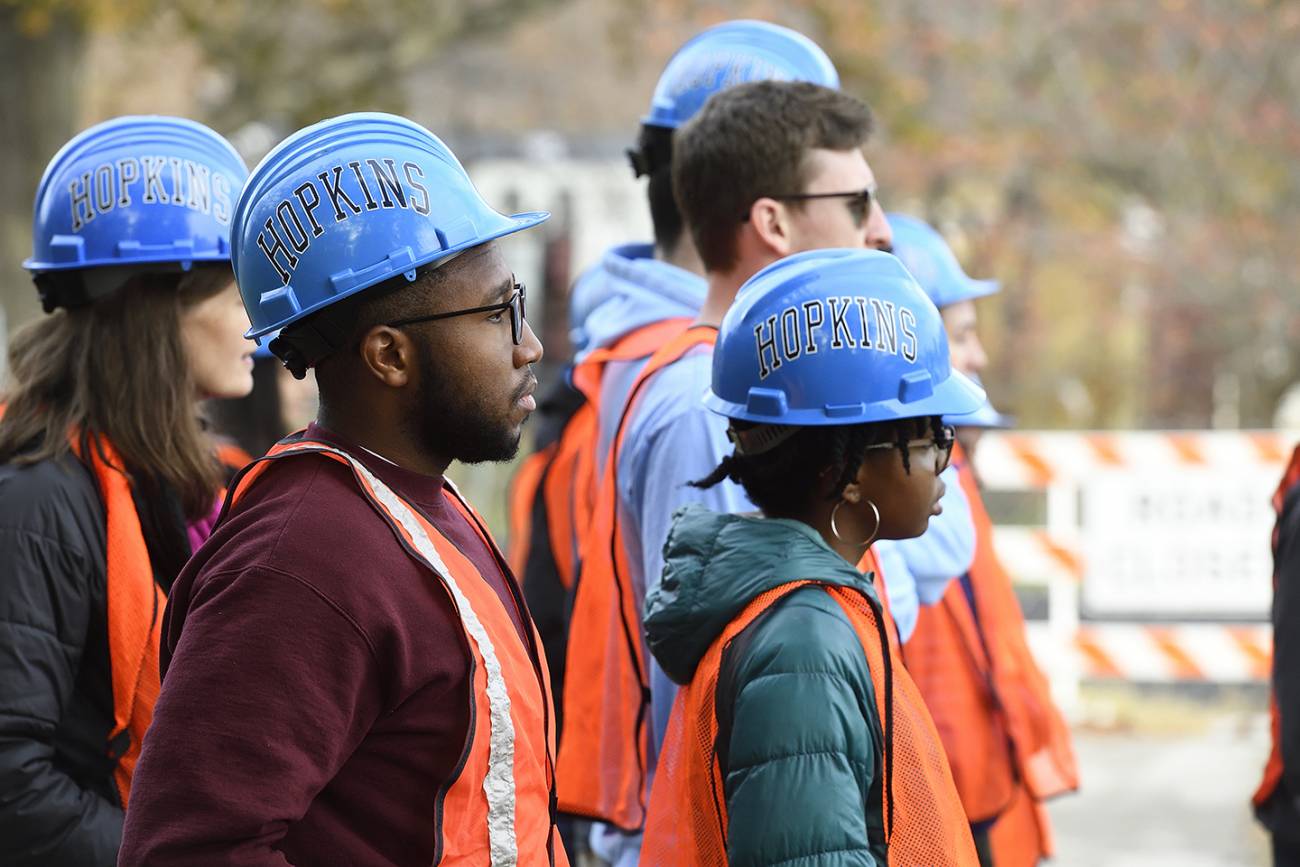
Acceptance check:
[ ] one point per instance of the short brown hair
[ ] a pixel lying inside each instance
(117, 367)
(750, 141)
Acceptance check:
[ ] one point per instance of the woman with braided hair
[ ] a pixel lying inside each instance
(785, 481)
(797, 736)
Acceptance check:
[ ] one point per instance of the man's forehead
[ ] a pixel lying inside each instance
(479, 276)
(843, 170)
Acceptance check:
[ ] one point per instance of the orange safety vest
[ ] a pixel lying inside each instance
(870, 565)
(232, 456)
(498, 810)
(990, 702)
(565, 471)
(604, 748)
(523, 494)
(1273, 768)
(923, 819)
(135, 605)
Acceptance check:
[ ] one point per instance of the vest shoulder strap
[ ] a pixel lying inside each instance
(134, 605)
(924, 819)
(637, 343)
(413, 533)
(667, 355)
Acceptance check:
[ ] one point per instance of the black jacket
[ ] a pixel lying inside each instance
(58, 803)
(1281, 813)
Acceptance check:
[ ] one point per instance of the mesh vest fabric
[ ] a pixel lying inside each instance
(990, 703)
(923, 819)
(564, 473)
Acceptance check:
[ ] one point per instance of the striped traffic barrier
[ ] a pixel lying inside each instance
(1124, 512)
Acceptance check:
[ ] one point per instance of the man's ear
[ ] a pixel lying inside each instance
(770, 220)
(388, 355)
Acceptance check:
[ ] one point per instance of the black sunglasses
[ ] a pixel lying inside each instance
(515, 304)
(857, 201)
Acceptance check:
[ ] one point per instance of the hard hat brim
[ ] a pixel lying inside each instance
(984, 417)
(971, 290)
(956, 395)
(511, 224)
(36, 266)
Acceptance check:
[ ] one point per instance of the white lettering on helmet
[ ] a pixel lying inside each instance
(295, 213)
(777, 339)
(107, 187)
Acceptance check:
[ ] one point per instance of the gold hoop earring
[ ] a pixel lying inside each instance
(836, 532)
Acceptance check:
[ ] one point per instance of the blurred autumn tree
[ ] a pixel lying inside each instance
(1128, 170)
(239, 63)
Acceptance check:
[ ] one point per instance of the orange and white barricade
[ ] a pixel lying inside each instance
(1152, 547)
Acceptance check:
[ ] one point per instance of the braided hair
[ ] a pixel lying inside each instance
(789, 473)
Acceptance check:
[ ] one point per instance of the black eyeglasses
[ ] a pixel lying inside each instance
(857, 201)
(942, 440)
(515, 304)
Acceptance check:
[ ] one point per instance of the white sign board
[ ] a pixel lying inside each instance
(1189, 543)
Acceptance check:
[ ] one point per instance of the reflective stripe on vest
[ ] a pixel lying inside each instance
(604, 747)
(923, 820)
(498, 809)
(134, 605)
(991, 704)
(1273, 767)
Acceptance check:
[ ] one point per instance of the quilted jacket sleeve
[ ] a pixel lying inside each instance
(46, 600)
(799, 740)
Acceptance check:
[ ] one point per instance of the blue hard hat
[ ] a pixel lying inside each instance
(835, 337)
(136, 190)
(931, 261)
(733, 53)
(346, 204)
(986, 416)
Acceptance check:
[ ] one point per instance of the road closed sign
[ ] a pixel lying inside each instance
(1192, 544)
(1147, 525)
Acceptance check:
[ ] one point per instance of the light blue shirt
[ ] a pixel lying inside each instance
(626, 290)
(917, 571)
(671, 440)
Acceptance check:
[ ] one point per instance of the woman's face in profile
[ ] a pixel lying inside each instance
(220, 358)
(907, 497)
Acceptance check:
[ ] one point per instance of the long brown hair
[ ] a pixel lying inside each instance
(118, 368)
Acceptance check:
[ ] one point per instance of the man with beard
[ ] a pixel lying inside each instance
(350, 673)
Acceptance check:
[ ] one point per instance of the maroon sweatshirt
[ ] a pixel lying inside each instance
(316, 694)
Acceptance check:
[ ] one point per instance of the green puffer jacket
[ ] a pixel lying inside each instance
(799, 737)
